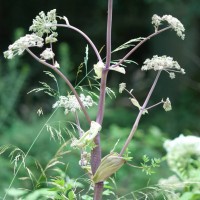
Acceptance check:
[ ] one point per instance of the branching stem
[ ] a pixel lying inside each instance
(135, 125)
(96, 153)
(138, 45)
(65, 79)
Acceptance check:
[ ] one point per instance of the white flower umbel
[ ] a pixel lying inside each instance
(175, 24)
(183, 155)
(71, 104)
(44, 24)
(156, 21)
(47, 54)
(165, 63)
(19, 46)
(88, 137)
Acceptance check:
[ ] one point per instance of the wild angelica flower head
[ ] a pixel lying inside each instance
(71, 104)
(165, 63)
(45, 24)
(47, 54)
(175, 24)
(183, 154)
(19, 46)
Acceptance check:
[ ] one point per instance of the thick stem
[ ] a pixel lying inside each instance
(96, 153)
(85, 36)
(138, 45)
(102, 95)
(135, 125)
(65, 79)
(98, 190)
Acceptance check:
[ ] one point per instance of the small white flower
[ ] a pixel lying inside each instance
(167, 105)
(44, 24)
(172, 75)
(175, 24)
(47, 54)
(98, 68)
(71, 104)
(156, 21)
(163, 63)
(122, 87)
(20, 45)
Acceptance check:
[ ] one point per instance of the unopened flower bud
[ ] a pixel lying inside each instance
(108, 166)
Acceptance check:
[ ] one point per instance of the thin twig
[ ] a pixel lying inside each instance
(161, 102)
(135, 125)
(84, 35)
(138, 45)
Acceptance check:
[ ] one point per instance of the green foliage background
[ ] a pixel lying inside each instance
(19, 122)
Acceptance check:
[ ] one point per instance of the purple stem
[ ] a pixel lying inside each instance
(85, 36)
(96, 152)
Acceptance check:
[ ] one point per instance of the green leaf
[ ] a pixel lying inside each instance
(71, 195)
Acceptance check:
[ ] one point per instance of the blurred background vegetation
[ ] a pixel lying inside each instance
(19, 122)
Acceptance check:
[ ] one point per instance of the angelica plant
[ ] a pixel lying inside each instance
(44, 35)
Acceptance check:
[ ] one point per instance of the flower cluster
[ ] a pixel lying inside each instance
(47, 54)
(183, 154)
(175, 24)
(44, 24)
(167, 105)
(20, 45)
(71, 104)
(165, 63)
